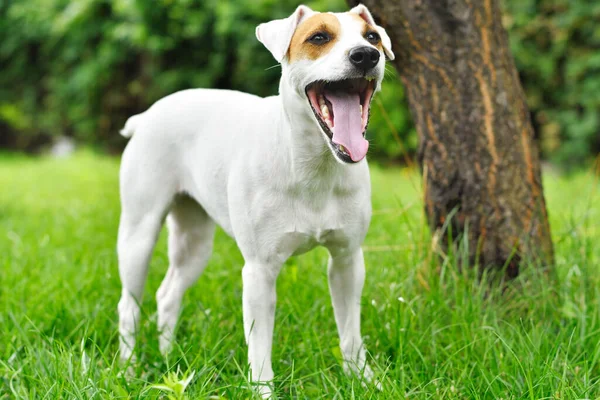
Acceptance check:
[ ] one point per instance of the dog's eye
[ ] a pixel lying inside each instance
(372, 37)
(319, 38)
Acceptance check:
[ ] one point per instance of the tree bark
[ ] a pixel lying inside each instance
(479, 159)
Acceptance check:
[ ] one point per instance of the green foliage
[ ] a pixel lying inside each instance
(82, 67)
(174, 386)
(391, 131)
(555, 44)
(432, 330)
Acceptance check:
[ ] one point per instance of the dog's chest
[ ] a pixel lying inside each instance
(331, 222)
(295, 215)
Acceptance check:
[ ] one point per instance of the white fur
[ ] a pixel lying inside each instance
(259, 168)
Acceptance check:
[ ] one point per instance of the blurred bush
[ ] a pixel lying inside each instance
(80, 68)
(556, 44)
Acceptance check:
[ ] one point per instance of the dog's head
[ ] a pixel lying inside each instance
(336, 61)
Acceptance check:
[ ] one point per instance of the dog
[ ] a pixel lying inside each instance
(281, 175)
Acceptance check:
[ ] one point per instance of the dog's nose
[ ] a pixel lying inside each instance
(364, 57)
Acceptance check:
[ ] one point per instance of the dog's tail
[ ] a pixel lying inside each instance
(130, 126)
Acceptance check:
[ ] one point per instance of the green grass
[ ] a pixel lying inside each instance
(432, 331)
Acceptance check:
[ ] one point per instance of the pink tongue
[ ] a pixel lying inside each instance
(347, 124)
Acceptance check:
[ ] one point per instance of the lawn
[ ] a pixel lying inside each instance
(432, 331)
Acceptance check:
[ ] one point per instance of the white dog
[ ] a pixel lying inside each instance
(280, 175)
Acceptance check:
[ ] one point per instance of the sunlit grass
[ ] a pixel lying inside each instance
(433, 332)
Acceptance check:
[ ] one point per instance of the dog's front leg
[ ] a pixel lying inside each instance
(259, 297)
(346, 271)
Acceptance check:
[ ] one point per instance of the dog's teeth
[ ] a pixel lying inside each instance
(343, 149)
(361, 109)
(321, 101)
(324, 110)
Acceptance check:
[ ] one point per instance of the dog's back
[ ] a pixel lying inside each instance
(194, 108)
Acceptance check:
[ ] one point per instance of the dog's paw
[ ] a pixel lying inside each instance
(127, 373)
(264, 390)
(365, 374)
(165, 343)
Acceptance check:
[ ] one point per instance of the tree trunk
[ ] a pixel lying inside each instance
(477, 152)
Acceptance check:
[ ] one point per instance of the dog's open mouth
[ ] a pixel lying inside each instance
(342, 109)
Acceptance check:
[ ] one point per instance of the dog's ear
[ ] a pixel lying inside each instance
(365, 14)
(276, 35)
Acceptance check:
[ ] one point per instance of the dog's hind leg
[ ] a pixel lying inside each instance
(191, 233)
(346, 279)
(145, 199)
(137, 237)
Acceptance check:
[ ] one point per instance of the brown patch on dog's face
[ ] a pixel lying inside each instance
(302, 48)
(366, 28)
